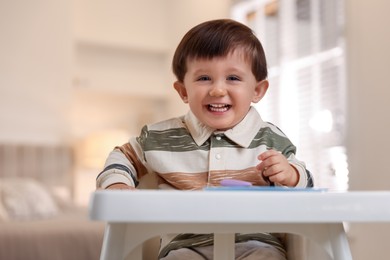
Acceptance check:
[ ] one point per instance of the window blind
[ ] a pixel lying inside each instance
(304, 45)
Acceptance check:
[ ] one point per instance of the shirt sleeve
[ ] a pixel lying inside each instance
(305, 177)
(302, 183)
(117, 169)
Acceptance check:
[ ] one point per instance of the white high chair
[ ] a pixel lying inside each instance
(296, 246)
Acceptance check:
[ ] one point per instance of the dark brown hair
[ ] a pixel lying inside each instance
(217, 38)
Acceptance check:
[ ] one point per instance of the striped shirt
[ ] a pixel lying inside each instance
(187, 155)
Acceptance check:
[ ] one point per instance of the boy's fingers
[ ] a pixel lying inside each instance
(267, 154)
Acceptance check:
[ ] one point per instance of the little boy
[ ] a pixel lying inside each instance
(221, 70)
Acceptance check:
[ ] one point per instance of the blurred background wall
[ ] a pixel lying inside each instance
(89, 73)
(368, 61)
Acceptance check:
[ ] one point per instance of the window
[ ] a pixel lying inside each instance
(304, 45)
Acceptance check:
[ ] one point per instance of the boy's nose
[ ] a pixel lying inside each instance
(218, 91)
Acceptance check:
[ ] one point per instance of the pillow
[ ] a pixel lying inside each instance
(62, 196)
(25, 199)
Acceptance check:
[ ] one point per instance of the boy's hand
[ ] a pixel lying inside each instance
(276, 168)
(120, 186)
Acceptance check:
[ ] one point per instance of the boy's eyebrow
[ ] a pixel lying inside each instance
(200, 71)
(230, 70)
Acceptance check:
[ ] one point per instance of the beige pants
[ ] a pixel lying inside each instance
(250, 250)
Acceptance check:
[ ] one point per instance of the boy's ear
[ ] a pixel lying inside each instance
(260, 90)
(179, 86)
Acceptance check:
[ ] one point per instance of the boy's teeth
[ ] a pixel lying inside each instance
(219, 107)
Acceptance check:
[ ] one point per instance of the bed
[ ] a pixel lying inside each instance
(38, 219)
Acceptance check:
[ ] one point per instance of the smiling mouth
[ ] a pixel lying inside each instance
(218, 107)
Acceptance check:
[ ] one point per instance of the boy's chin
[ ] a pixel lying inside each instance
(220, 123)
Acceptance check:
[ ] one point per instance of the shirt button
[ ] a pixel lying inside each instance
(217, 156)
(218, 137)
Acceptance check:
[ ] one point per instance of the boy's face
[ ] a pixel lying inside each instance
(220, 91)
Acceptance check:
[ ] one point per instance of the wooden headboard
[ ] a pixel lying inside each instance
(50, 164)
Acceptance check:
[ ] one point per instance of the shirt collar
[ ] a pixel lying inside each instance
(242, 134)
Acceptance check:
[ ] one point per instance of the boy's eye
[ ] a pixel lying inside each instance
(233, 78)
(203, 78)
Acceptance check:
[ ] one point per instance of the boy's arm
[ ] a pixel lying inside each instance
(117, 169)
(120, 186)
(305, 178)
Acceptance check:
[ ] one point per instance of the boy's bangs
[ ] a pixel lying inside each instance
(246, 52)
(219, 43)
(208, 48)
